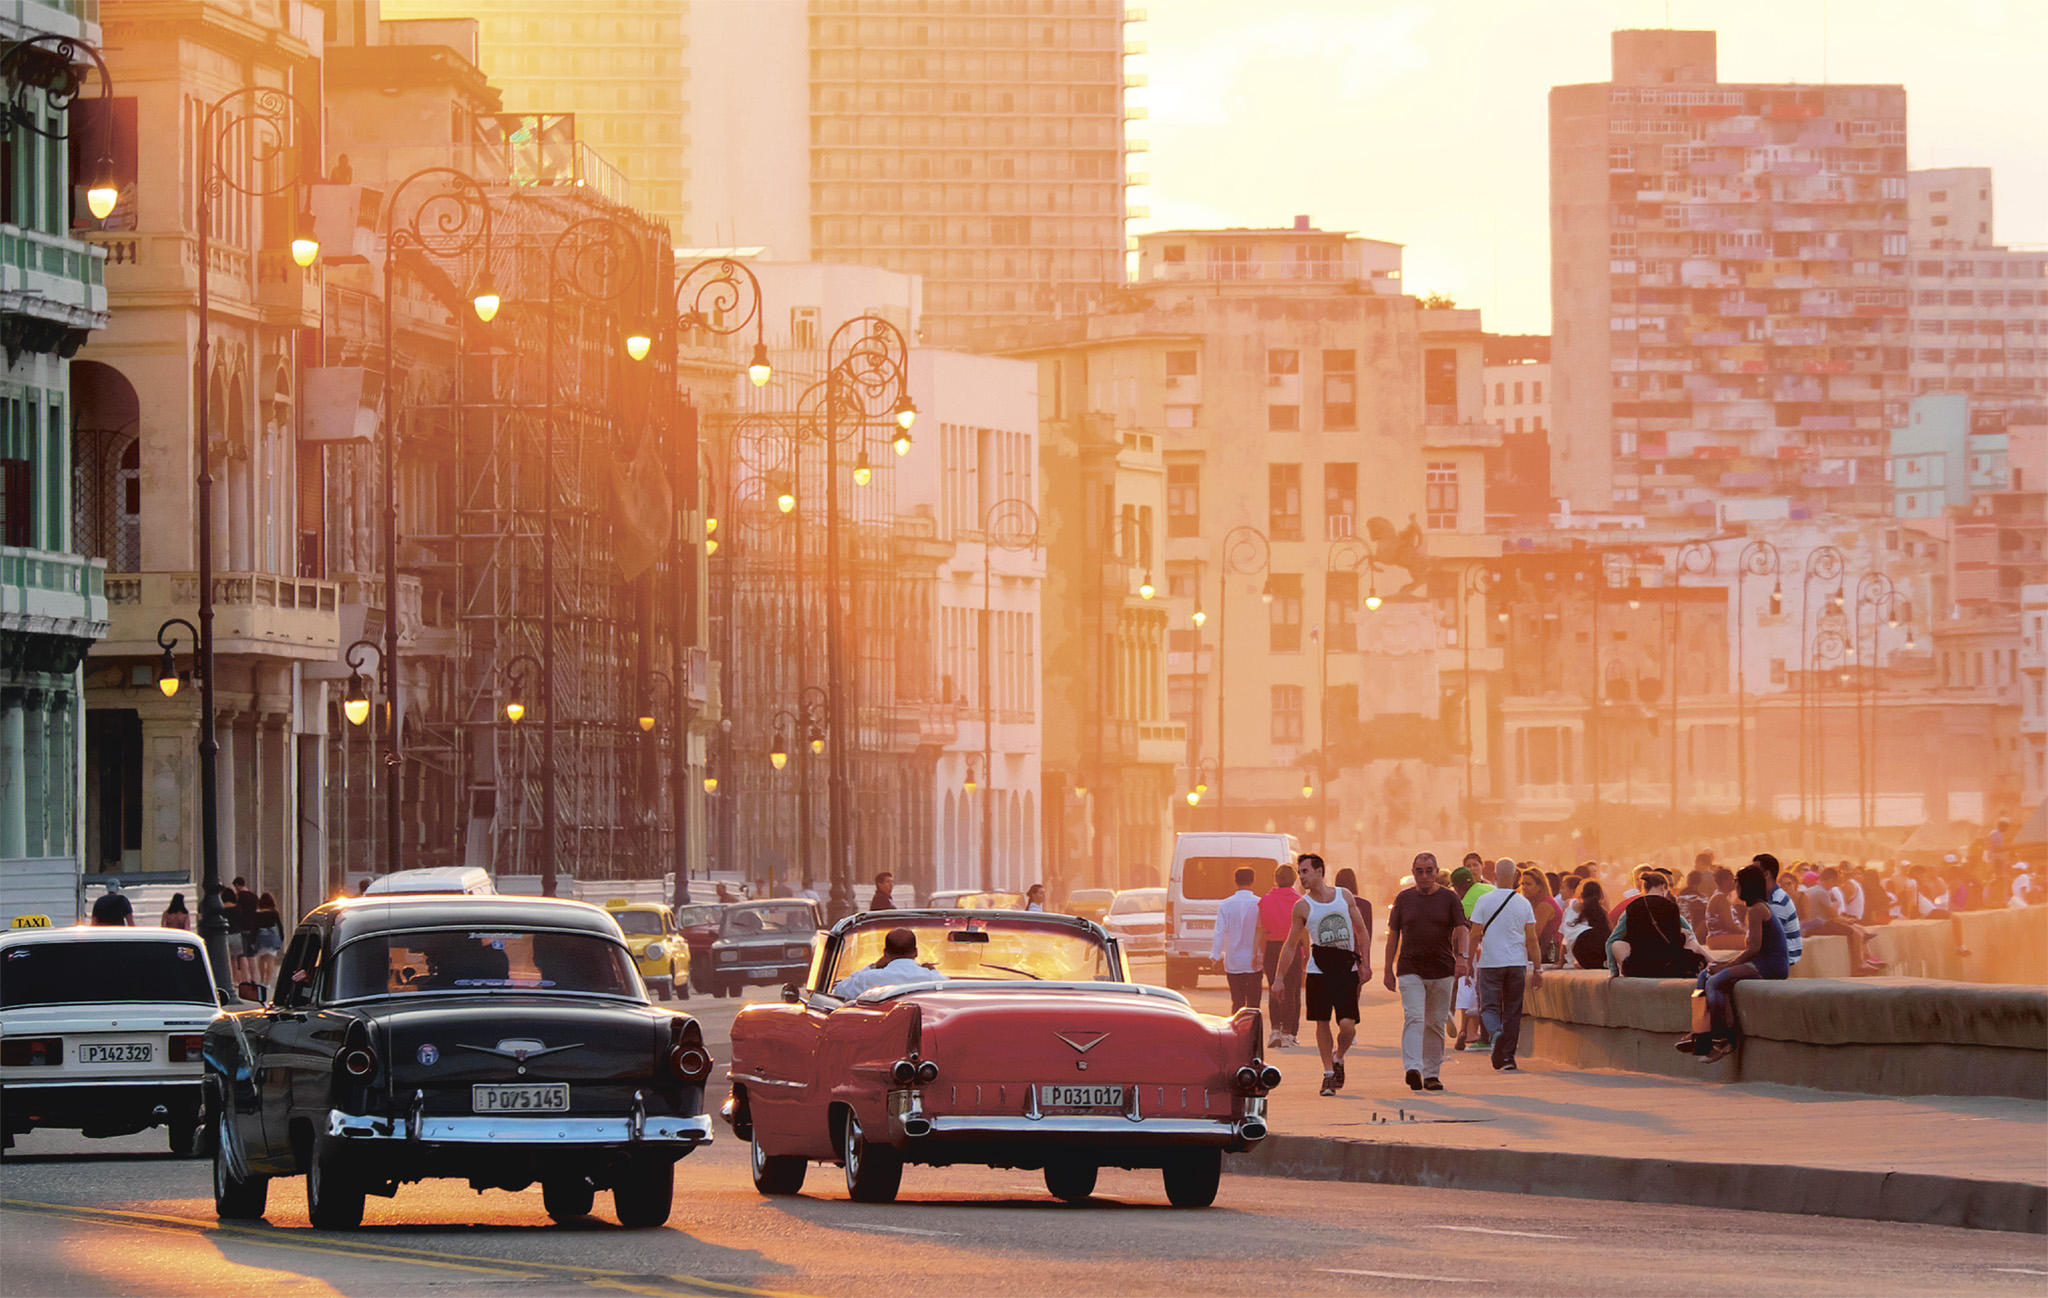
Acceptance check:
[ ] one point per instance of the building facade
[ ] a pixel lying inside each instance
(53, 606)
(1979, 310)
(1729, 285)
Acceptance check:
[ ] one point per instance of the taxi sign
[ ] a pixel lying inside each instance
(31, 921)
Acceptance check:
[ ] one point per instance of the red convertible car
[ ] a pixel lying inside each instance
(1026, 1046)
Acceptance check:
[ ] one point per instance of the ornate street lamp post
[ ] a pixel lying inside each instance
(1246, 551)
(1824, 564)
(1874, 591)
(448, 221)
(1696, 557)
(1007, 525)
(1758, 559)
(50, 62)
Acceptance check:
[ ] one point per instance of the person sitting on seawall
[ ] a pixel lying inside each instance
(1762, 956)
(1724, 913)
(897, 966)
(1824, 918)
(1652, 939)
(1585, 938)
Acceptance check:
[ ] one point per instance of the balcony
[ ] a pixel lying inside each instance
(61, 594)
(254, 613)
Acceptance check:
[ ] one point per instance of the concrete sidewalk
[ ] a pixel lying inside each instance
(1966, 1161)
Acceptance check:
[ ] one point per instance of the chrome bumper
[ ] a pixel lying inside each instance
(522, 1131)
(913, 1124)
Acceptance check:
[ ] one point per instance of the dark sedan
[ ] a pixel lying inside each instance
(497, 1040)
(761, 942)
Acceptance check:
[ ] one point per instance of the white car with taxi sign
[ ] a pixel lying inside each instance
(101, 1030)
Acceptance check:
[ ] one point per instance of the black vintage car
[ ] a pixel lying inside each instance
(501, 1040)
(760, 942)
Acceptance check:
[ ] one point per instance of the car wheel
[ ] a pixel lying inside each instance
(334, 1193)
(184, 1132)
(643, 1193)
(873, 1172)
(682, 986)
(235, 1198)
(777, 1173)
(1192, 1178)
(663, 992)
(567, 1197)
(1072, 1182)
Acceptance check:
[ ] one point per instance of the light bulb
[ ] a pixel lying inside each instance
(710, 545)
(305, 250)
(356, 710)
(906, 412)
(514, 710)
(902, 442)
(759, 371)
(1372, 601)
(1777, 600)
(1501, 617)
(710, 524)
(778, 756)
(785, 501)
(1145, 588)
(818, 745)
(711, 784)
(646, 722)
(167, 675)
(862, 470)
(102, 196)
(1198, 617)
(1201, 786)
(969, 784)
(1308, 790)
(637, 345)
(1194, 798)
(1080, 790)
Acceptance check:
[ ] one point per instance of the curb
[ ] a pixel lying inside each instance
(1749, 1187)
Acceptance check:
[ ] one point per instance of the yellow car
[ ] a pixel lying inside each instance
(659, 952)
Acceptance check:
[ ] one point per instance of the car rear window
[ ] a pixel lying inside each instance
(690, 916)
(86, 972)
(638, 923)
(743, 921)
(1139, 903)
(470, 960)
(1208, 878)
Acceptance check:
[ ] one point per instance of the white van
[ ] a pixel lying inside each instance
(469, 880)
(1204, 873)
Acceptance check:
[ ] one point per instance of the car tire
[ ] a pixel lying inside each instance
(183, 1127)
(567, 1197)
(682, 986)
(777, 1173)
(334, 1193)
(235, 1198)
(873, 1172)
(644, 1193)
(1192, 1178)
(1071, 1182)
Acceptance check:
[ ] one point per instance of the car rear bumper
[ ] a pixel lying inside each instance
(96, 1104)
(916, 1130)
(567, 1129)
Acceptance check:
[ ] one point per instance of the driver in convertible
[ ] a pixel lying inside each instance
(898, 965)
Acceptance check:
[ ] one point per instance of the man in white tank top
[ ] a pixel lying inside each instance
(1327, 921)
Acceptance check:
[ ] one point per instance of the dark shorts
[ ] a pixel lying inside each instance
(1332, 994)
(248, 945)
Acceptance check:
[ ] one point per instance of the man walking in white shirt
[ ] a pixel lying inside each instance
(1236, 943)
(1507, 947)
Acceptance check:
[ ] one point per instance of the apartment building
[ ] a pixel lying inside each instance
(53, 605)
(1516, 389)
(1729, 283)
(619, 69)
(1322, 456)
(1979, 310)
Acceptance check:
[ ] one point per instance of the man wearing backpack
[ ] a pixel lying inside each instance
(1507, 948)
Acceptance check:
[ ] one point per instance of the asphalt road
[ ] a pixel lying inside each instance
(120, 1217)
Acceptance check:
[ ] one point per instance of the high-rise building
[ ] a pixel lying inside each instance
(619, 68)
(1728, 283)
(1979, 310)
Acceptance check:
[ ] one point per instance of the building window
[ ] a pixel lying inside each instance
(1283, 502)
(1182, 364)
(1284, 629)
(1340, 500)
(1340, 611)
(1180, 416)
(1280, 362)
(1440, 380)
(1183, 500)
(1283, 419)
(1536, 390)
(1340, 389)
(1440, 495)
(1288, 709)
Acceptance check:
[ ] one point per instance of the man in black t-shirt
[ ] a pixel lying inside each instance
(111, 909)
(1427, 940)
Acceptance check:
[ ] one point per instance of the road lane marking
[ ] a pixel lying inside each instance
(905, 1230)
(1518, 1234)
(272, 1237)
(2017, 1270)
(1403, 1275)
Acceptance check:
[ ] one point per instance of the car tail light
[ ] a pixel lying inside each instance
(927, 1072)
(22, 1052)
(904, 1072)
(185, 1047)
(1257, 1076)
(359, 1062)
(689, 1059)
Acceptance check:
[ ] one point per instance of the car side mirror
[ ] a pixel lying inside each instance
(791, 995)
(249, 992)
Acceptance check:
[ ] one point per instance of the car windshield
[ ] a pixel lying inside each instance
(1149, 902)
(639, 923)
(964, 947)
(745, 921)
(1208, 878)
(416, 962)
(85, 972)
(691, 916)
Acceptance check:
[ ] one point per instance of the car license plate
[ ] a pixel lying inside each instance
(139, 1053)
(519, 1099)
(1065, 1095)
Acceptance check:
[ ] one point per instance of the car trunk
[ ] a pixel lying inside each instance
(603, 1051)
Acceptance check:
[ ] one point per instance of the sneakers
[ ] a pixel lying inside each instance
(1414, 1080)
(1432, 1084)
(1329, 1083)
(1279, 1040)
(1508, 1067)
(1337, 1074)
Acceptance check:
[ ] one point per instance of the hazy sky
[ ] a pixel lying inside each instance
(1426, 121)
